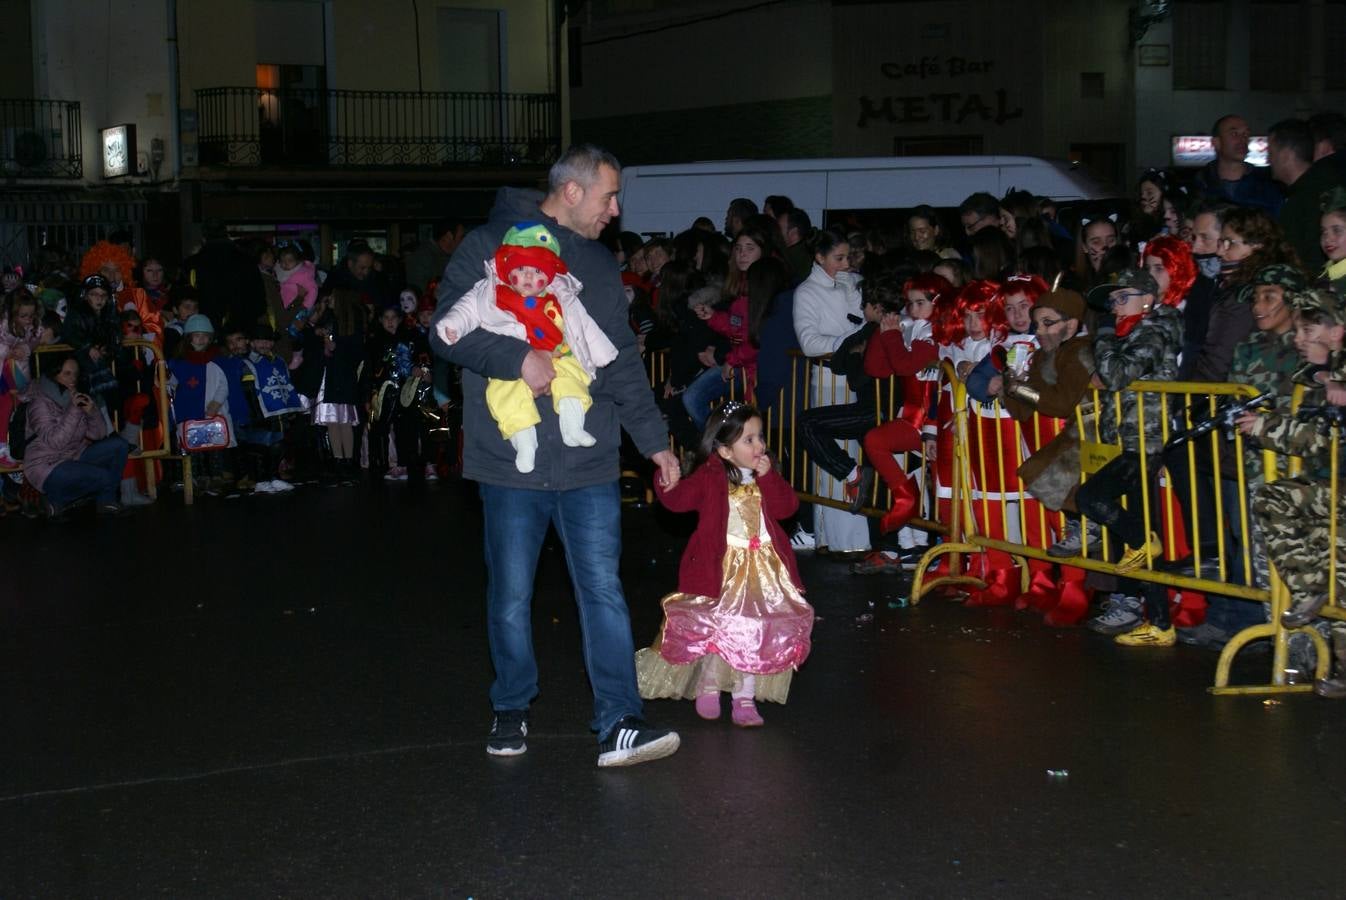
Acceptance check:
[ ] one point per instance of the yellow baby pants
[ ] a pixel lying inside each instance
(513, 406)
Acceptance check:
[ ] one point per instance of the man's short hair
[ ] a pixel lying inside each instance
(798, 219)
(1330, 127)
(1217, 208)
(1215, 129)
(580, 164)
(779, 203)
(1295, 134)
(445, 226)
(741, 208)
(981, 203)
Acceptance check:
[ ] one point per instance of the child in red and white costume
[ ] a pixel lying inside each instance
(1014, 515)
(905, 347)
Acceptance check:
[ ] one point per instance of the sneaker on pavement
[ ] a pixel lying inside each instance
(264, 487)
(430, 473)
(632, 742)
(1120, 613)
(1147, 635)
(802, 542)
(508, 732)
(279, 486)
(876, 562)
(396, 473)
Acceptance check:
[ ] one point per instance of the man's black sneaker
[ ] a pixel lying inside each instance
(632, 742)
(507, 733)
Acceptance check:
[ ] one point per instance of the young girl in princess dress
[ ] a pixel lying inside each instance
(738, 621)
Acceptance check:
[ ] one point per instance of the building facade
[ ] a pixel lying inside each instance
(1110, 84)
(315, 118)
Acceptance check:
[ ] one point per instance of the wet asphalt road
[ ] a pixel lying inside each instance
(292, 702)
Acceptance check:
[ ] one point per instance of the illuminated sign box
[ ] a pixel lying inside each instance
(119, 151)
(1191, 150)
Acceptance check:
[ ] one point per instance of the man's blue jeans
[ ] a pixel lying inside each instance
(589, 523)
(97, 471)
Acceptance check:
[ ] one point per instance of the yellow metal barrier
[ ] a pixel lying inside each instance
(974, 461)
(1191, 398)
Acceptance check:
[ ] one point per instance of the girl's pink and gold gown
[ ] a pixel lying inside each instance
(759, 625)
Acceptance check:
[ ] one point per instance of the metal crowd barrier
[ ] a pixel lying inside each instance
(146, 455)
(1189, 400)
(977, 458)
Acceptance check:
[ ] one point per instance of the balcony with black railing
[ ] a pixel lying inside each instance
(40, 139)
(301, 127)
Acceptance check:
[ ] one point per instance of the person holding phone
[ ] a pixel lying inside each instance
(70, 455)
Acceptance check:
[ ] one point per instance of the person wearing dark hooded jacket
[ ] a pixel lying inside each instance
(574, 488)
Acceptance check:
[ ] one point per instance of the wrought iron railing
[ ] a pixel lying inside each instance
(256, 127)
(40, 139)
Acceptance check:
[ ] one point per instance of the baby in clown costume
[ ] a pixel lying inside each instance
(529, 294)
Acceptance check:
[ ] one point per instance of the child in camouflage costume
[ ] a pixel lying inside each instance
(1293, 513)
(1140, 340)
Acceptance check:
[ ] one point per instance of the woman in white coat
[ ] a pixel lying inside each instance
(826, 311)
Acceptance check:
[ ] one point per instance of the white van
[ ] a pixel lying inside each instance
(667, 199)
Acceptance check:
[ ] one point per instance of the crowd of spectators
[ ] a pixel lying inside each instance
(304, 375)
(1207, 280)
(1222, 278)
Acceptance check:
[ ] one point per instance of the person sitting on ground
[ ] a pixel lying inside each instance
(1138, 340)
(70, 456)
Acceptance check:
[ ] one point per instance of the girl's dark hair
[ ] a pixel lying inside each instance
(737, 281)
(925, 260)
(724, 427)
(928, 213)
(992, 254)
(1032, 233)
(825, 240)
(350, 313)
(55, 362)
(1042, 261)
(767, 278)
(1256, 227)
(677, 279)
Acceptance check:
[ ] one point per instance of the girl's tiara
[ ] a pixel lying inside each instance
(730, 407)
